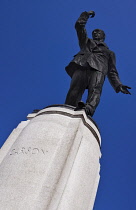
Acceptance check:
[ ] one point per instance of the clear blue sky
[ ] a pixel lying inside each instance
(37, 40)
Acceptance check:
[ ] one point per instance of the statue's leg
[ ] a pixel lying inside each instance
(95, 83)
(77, 87)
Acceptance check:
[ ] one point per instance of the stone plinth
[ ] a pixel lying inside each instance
(51, 162)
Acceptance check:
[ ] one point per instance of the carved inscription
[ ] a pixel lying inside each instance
(27, 151)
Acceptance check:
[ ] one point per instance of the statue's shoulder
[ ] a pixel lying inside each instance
(91, 40)
(112, 53)
(91, 43)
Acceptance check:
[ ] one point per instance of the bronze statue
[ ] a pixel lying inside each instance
(90, 66)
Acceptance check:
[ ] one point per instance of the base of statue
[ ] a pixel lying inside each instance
(51, 161)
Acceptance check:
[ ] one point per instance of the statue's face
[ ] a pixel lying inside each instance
(98, 35)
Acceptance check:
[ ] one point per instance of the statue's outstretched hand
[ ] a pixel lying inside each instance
(124, 89)
(91, 13)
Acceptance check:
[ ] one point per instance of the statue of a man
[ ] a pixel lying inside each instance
(90, 66)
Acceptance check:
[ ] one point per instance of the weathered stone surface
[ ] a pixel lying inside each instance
(51, 162)
(11, 139)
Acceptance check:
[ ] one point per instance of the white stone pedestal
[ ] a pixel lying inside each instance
(51, 162)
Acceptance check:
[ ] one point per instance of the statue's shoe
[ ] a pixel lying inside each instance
(81, 105)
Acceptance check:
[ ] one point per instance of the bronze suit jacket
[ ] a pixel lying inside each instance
(93, 53)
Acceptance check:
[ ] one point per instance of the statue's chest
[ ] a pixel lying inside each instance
(98, 49)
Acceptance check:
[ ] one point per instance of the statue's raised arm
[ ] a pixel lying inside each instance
(80, 27)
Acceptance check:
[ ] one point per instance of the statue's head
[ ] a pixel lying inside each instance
(98, 35)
